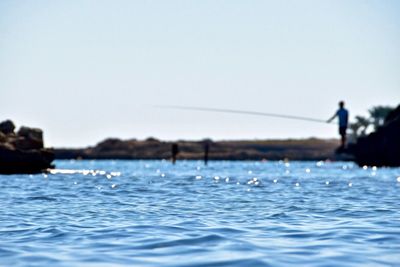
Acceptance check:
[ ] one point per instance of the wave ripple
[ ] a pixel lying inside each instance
(152, 213)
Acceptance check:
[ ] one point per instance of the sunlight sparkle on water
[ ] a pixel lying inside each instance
(236, 215)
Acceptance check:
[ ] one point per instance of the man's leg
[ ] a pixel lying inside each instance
(342, 132)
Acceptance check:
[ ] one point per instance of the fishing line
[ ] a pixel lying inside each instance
(245, 112)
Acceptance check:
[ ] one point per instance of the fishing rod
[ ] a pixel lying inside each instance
(245, 112)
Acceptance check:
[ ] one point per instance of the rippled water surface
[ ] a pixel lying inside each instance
(151, 213)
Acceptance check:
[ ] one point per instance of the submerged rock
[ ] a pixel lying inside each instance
(382, 147)
(23, 152)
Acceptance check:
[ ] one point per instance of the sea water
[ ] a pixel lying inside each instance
(153, 213)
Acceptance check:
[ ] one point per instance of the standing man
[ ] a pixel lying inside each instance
(343, 116)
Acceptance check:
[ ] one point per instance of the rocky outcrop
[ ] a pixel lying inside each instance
(29, 138)
(23, 151)
(382, 147)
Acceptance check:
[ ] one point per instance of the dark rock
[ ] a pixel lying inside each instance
(7, 146)
(31, 133)
(23, 152)
(109, 144)
(382, 147)
(24, 143)
(29, 138)
(152, 140)
(3, 137)
(14, 161)
(7, 127)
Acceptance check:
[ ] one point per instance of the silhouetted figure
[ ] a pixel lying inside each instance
(343, 116)
(206, 150)
(174, 152)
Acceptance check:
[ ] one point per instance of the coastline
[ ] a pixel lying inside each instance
(291, 149)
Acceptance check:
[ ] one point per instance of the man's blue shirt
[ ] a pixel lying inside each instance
(343, 116)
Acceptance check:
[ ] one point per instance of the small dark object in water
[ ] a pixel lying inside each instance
(174, 152)
(206, 150)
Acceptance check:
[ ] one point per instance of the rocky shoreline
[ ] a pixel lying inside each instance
(23, 151)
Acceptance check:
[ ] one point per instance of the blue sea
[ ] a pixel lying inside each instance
(229, 213)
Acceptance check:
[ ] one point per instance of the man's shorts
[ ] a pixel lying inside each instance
(342, 131)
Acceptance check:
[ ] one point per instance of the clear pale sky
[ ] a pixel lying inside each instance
(86, 70)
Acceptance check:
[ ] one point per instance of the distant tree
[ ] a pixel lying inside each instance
(354, 131)
(359, 127)
(378, 115)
